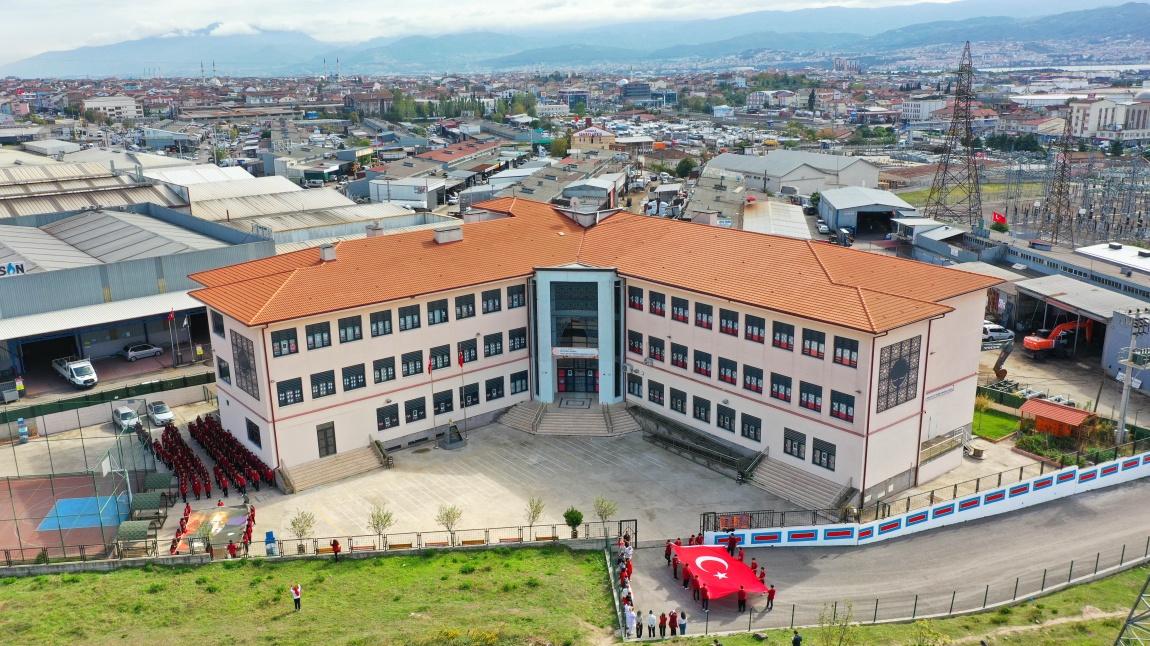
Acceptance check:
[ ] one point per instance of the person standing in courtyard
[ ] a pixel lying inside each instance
(754, 565)
(296, 594)
(675, 566)
(686, 575)
(797, 640)
(763, 575)
(732, 544)
(662, 625)
(231, 549)
(667, 552)
(742, 599)
(630, 616)
(771, 598)
(682, 623)
(651, 621)
(335, 549)
(742, 555)
(691, 541)
(705, 596)
(695, 586)
(673, 619)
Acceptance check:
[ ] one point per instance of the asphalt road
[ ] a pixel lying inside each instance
(962, 559)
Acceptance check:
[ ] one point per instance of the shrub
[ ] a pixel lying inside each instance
(573, 517)
(467, 569)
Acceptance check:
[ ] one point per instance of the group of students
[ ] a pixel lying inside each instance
(676, 620)
(171, 450)
(699, 591)
(235, 464)
(232, 548)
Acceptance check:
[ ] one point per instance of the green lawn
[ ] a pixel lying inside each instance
(994, 425)
(989, 192)
(493, 597)
(1035, 622)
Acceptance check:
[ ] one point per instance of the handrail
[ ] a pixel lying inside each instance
(538, 419)
(607, 419)
(749, 470)
(725, 460)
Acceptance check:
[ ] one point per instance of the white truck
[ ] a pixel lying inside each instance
(78, 371)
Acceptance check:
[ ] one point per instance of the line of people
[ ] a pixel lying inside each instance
(236, 465)
(699, 591)
(190, 471)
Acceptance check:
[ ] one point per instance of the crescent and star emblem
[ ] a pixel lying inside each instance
(703, 559)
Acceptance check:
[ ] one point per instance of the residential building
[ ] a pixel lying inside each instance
(115, 108)
(855, 368)
(593, 138)
(920, 108)
(548, 110)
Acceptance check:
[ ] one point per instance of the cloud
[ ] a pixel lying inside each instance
(233, 29)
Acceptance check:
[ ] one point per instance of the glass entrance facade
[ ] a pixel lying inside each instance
(578, 375)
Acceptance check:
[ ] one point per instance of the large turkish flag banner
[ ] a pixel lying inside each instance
(722, 572)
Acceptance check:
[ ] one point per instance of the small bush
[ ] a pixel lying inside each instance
(212, 589)
(200, 580)
(154, 588)
(509, 587)
(467, 569)
(532, 582)
(466, 585)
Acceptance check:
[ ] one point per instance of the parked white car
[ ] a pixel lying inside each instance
(141, 351)
(995, 332)
(124, 418)
(159, 413)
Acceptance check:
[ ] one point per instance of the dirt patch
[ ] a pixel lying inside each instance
(1089, 613)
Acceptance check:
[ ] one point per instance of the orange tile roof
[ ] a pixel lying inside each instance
(457, 151)
(814, 280)
(1057, 412)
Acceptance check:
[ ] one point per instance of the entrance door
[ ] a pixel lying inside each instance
(325, 434)
(578, 375)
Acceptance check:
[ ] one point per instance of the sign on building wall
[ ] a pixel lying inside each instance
(11, 269)
(576, 353)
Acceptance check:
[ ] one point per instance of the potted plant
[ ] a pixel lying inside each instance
(574, 518)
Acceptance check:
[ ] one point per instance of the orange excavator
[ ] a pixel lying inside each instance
(1058, 339)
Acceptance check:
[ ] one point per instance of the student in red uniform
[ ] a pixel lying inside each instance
(663, 625)
(754, 565)
(622, 576)
(705, 595)
(197, 488)
(184, 490)
(224, 484)
(763, 575)
(686, 575)
(770, 597)
(691, 541)
(219, 503)
(667, 552)
(675, 566)
(187, 509)
(694, 586)
(630, 568)
(231, 549)
(742, 555)
(732, 544)
(241, 483)
(673, 620)
(335, 548)
(207, 487)
(742, 599)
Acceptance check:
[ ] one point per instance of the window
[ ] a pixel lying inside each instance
(244, 354)
(468, 350)
(635, 385)
(780, 387)
(516, 296)
(702, 363)
(437, 312)
(325, 436)
(494, 388)
(635, 298)
(493, 344)
(519, 383)
(655, 347)
(253, 432)
(679, 356)
(725, 418)
(842, 406)
(492, 301)
(814, 343)
(443, 401)
(412, 363)
(704, 316)
(810, 396)
(464, 306)
(284, 342)
(783, 336)
(323, 384)
(350, 329)
(753, 379)
(678, 401)
(290, 392)
(225, 370)
(846, 352)
(380, 323)
(517, 339)
(440, 357)
(728, 371)
(468, 395)
(655, 392)
(383, 369)
(657, 303)
(752, 428)
(353, 377)
(635, 342)
(409, 317)
(729, 322)
(701, 409)
(387, 417)
(898, 373)
(415, 409)
(756, 329)
(318, 335)
(217, 323)
(823, 454)
(794, 443)
(680, 309)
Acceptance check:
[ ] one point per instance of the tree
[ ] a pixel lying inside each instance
(811, 100)
(380, 519)
(574, 518)
(301, 525)
(534, 511)
(580, 109)
(449, 516)
(926, 634)
(559, 146)
(815, 197)
(684, 167)
(1000, 227)
(1116, 148)
(837, 626)
(605, 509)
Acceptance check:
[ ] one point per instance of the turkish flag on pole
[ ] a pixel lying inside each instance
(722, 572)
(998, 217)
(461, 358)
(172, 315)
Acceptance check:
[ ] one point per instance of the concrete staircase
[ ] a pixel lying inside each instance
(621, 420)
(521, 416)
(332, 468)
(796, 485)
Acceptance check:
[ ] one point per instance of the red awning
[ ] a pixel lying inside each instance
(721, 572)
(1057, 412)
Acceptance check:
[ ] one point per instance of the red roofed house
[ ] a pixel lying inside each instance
(1054, 419)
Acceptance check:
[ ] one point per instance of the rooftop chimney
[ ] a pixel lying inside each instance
(327, 253)
(449, 233)
(374, 230)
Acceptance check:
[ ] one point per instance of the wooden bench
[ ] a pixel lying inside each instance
(399, 546)
(473, 541)
(326, 549)
(436, 544)
(511, 540)
(133, 552)
(363, 548)
(546, 538)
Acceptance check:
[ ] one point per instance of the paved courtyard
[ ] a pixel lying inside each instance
(492, 478)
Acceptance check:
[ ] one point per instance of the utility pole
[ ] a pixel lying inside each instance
(1139, 325)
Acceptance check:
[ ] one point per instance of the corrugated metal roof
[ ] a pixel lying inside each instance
(63, 186)
(112, 236)
(1078, 296)
(51, 173)
(39, 250)
(161, 195)
(1057, 412)
(241, 188)
(198, 174)
(100, 314)
(246, 207)
(364, 213)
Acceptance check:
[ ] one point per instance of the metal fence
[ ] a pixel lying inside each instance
(11, 413)
(723, 616)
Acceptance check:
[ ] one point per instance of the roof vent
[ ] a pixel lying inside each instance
(449, 233)
(374, 230)
(1144, 253)
(1115, 245)
(327, 253)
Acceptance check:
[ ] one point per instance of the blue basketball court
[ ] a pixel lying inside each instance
(91, 511)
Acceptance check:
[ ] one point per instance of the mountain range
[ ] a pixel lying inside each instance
(839, 29)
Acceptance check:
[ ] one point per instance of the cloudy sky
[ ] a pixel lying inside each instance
(31, 27)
